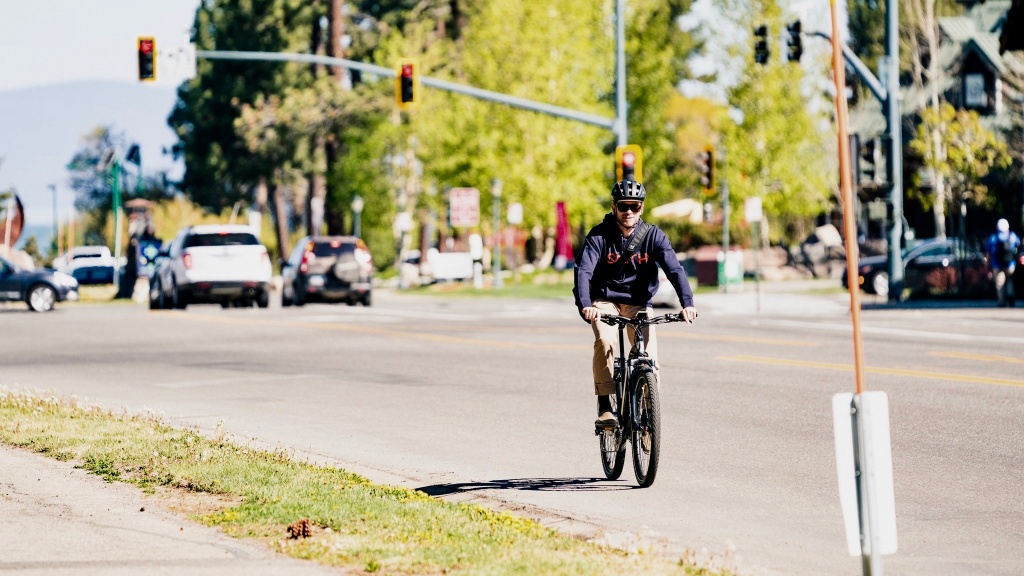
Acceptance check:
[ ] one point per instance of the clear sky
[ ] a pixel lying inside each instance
(54, 41)
(68, 66)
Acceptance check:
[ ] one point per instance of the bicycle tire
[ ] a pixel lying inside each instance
(613, 453)
(646, 440)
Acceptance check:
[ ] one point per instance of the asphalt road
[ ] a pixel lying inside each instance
(492, 398)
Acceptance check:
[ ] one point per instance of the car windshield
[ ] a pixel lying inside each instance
(222, 239)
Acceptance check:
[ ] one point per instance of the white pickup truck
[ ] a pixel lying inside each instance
(218, 264)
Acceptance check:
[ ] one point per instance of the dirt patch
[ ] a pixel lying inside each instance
(191, 503)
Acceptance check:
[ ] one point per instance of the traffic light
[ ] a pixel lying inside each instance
(761, 51)
(629, 163)
(794, 45)
(870, 162)
(707, 170)
(407, 83)
(147, 59)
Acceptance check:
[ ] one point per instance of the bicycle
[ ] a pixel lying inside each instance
(638, 415)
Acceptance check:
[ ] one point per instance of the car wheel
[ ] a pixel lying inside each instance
(880, 283)
(286, 300)
(367, 299)
(177, 298)
(41, 298)
(300, 294)
(225, 304)
(263, 299)
(154, 296)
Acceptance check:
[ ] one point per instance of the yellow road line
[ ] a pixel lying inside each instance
(749, 339)
(661, 334)
(382, 332)
(877, 370)
(980, 357)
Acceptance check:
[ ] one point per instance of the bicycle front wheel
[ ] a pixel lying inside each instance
(646, 438)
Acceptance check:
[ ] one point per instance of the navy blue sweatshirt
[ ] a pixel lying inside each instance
(600, 275)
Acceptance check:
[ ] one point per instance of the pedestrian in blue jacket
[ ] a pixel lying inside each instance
(611, 281)
(1002, 257)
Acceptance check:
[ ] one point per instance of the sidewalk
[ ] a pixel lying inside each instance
(56, 519)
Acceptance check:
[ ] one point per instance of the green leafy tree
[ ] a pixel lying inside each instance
(778, 148)
(32, 248)
(867, 30)
(219, 168)
(966, 153)
(657, 50)
(282, 131)
(91, 168)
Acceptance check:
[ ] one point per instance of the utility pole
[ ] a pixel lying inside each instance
(116, 201)
(56, 227)
(620, 73)
(895, 137)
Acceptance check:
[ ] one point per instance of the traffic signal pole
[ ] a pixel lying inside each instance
(478, 93)
(620, 73)
(895, 164)
(889, 96)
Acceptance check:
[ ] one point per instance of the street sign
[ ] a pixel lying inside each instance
(464, 206)
(873, 479)
(752, 209)
(515, 213)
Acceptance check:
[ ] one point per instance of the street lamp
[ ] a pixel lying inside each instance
(357, 211)
(496, 260)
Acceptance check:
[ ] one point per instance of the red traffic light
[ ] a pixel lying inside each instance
(407, 83)
(147, 58)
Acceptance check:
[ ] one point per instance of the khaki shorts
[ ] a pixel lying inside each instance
(606, 343)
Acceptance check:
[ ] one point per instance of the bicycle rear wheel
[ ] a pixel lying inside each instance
(613, 452)
(646, 438)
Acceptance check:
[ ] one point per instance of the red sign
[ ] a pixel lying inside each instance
(464, 207)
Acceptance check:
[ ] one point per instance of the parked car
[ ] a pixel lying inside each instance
(932, 268)
(328, 269)
(666, 295)
(211, 264)
(88, 264)
(40, 288)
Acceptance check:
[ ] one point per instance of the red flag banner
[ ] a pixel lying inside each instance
(563, 238)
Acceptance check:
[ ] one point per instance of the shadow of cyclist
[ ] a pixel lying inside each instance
(535, 484)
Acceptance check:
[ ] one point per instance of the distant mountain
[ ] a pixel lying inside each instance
(40, 130)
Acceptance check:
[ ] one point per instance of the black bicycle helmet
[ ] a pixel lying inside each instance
(629, 190)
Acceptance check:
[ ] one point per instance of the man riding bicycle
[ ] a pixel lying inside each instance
(617, 273)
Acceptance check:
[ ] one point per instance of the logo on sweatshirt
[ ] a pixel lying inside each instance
(637, 259)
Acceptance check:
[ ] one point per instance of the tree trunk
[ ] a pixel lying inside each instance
(930, 28)
(280, 220)
(332, 213)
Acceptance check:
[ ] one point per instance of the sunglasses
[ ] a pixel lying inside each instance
(628, 206)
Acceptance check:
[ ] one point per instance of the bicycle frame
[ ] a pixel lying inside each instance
(627, 368)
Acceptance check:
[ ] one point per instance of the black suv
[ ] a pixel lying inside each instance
(328, 269)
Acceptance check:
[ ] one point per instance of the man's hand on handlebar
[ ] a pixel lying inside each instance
(688, 315)
(591, 313)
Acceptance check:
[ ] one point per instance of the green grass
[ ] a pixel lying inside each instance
(359, 525)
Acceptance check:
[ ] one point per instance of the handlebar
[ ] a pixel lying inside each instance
(639, 321)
